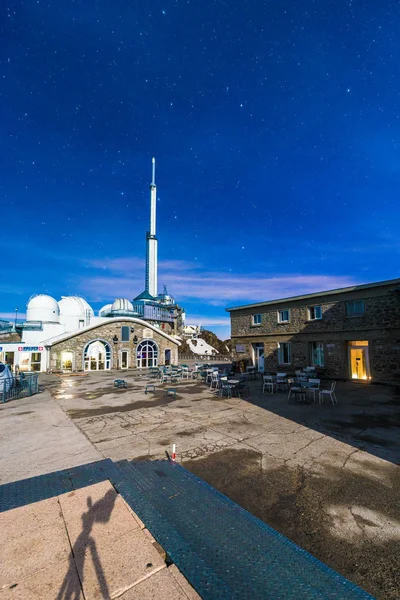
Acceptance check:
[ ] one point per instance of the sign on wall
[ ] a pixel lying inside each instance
(30, 348)
(240, 348)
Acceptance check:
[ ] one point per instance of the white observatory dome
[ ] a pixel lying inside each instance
(105, 310)
(43, 308)
(122, 304)
(75, 312)
(74, 306)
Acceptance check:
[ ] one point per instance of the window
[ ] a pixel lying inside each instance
(317, 354)
(36, 358)
(355, 308)
(256, 319)
(284, 316)
(124, 333)
(147, 354)
(314, 313)
(284, 353)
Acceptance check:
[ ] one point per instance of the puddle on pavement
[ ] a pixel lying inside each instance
(106, 410)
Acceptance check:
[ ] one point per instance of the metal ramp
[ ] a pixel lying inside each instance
(224, 551)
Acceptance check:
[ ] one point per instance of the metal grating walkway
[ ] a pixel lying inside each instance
(223, 550)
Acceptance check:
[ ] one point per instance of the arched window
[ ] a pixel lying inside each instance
(97, 356)
(147, 354)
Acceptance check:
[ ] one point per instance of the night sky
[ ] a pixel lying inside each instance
(276, 130)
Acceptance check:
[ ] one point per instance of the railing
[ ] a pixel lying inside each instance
(205, 357)
(22, 386)
(154, 313)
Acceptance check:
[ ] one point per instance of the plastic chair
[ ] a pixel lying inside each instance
(330, 393)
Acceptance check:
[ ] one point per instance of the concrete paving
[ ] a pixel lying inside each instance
(84, 544)
(37, 437)
(325, 476)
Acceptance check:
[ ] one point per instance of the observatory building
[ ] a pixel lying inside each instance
(67, 335)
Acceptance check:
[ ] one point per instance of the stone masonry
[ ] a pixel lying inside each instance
(77, 342)
(379, 325)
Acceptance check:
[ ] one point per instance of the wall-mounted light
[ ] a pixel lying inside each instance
(132, 329)
(115, 339)
(135, 340)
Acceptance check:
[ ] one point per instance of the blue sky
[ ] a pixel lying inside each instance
(276, 130)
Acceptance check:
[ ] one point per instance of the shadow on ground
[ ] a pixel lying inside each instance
(334, 516)
(366, 416)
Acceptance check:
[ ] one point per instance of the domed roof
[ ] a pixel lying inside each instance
(42, 308)
(122, 304)
(74, 306)
(42, 301)
(105, 310)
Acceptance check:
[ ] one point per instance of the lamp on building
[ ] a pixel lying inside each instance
(115, 339)
(135, 340)
(132, 329)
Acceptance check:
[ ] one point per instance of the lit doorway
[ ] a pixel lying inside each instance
(359, 361)
(259, 357)
(66, 361)
(124, 359)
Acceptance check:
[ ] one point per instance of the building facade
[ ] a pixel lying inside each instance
(114, 343)
(350, 333)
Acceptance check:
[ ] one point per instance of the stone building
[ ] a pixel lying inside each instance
(117, 343)
(348, 333)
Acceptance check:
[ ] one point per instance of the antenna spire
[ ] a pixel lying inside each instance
(153, 179)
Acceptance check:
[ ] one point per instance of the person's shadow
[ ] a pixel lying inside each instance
(99, 512)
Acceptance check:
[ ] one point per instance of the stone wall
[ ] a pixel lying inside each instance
(77, 343)
(380, 326)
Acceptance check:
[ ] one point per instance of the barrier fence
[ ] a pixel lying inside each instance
(205, 357)
(26, 384)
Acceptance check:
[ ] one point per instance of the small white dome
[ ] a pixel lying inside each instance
(43, 308)
(74, 306)
(105, 310)
(122, 304)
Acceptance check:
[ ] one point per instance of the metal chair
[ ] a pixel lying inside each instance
(281, 381)
(330, 393)
(268, 384)
(313, 387)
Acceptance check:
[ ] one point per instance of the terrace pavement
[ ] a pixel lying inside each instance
(325, 476)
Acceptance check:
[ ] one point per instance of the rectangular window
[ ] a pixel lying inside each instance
(317, 354)
(124, 333)
(284, 316)
(355, 308)
(36, 358)
(256, 319)
(314, 313)
(284, 353)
